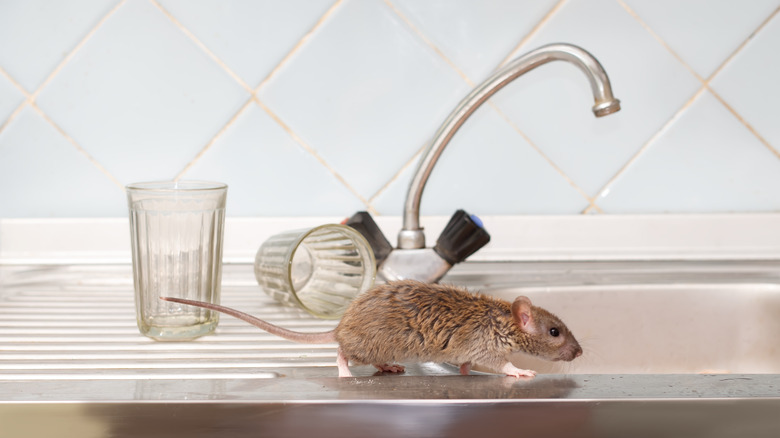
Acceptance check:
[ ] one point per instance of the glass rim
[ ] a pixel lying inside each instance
(368, 260)
(177, 186)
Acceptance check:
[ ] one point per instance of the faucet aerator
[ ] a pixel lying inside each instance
(606, 108)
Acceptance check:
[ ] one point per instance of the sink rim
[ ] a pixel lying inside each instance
(472, 275)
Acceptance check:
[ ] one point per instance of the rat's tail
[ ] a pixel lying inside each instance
(305, 338)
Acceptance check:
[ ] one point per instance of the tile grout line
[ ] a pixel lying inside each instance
(532, 33)
(742, 45)
(305, 146)
(13, 115)
(591, 208)
(512, 54)
(706, 81)
(308, 149)
(202, 46)
(705, 86)
(495, 108)
(21, 106)
(216, 137)
(415, 157)
(73, 52)
(254, 98)
(660, 40)
(744, 122)
(604, 190)
(428, 42)
(227, 70)
(14, 82)
(536, 28)
(298, 45)
(541, 153)
(77, 146)
(31, 97)
(723, 65)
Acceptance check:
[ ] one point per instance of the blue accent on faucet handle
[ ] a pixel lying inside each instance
(462, 237)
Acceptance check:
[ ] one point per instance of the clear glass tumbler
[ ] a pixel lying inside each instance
(176, 230)
(320, 269)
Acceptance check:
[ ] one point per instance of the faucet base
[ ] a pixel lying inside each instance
(411, 239)
(414, 264)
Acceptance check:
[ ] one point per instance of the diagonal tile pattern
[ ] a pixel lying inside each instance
(552, 103)
(708, 141)
(154, 114)
(517, 174)
(343, 94)
(749, 83)
(263, 167)
(364, 83)
(252, 38)
(36, 34)
(476, 36)
(703, 32)
(10, 98)
(49, 177)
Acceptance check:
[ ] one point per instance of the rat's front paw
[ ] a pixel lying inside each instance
(511, 370)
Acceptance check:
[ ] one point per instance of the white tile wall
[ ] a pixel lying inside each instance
(38, 35)
(553, 106)
(11, 98)
(363, 92)
(727, 158)
(474, 35)
(140, 96)
(320, 107)
(44, 175)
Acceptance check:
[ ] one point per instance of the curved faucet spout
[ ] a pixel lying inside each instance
(411, 235)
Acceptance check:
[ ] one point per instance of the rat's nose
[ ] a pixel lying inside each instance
(570, 352)
(575, 351)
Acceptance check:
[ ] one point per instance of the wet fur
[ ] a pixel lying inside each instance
(421, 322)
(411, 321)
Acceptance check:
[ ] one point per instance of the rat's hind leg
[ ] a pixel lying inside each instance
(343, 362)
(386, 368)
(465, 368)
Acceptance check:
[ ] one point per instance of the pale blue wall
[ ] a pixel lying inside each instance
(320, 107)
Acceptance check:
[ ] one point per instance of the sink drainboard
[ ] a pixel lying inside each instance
(78, 323)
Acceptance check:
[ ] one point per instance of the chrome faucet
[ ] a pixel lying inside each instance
(411, 260)
(411, 235)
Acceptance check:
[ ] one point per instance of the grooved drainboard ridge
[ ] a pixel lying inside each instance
(76, 323)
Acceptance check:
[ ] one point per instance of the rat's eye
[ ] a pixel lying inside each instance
(554, 332)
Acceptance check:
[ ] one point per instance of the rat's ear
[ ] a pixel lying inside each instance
(521, 312)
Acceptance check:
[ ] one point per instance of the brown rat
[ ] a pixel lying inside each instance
(410, 321)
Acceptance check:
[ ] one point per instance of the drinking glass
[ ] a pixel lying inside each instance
(176, 230)
(319, 269)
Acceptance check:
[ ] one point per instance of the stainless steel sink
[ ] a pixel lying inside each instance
(705, 328)
(689, 347)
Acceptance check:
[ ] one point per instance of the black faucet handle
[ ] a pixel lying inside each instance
(462, 237)
(364, 224)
